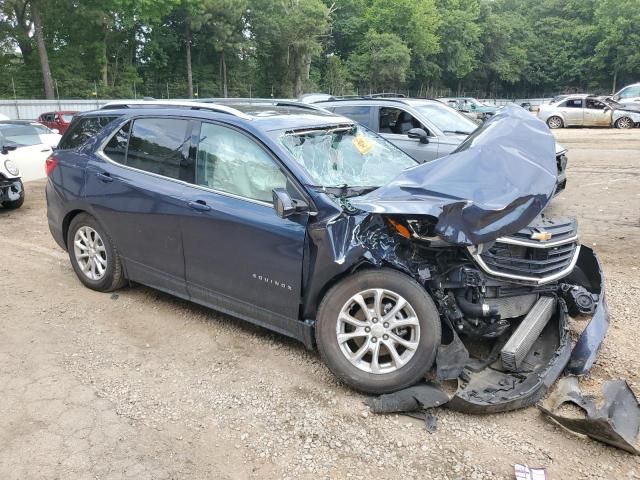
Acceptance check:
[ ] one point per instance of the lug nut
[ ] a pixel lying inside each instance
(385, 337)
(374, 339)
(374, 320)
(386, 324)
(367, 329)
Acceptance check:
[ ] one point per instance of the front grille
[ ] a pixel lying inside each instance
(521, 257)
(535, 262)
(560, 229)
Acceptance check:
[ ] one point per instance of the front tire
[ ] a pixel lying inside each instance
(555, 122)
(13, 204)
(378, 331)
(624, 122)
(93, 255)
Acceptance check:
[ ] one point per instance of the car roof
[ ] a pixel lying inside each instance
(262, 115)
(376, 101)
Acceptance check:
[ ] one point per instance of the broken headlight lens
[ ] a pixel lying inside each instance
(11, 168)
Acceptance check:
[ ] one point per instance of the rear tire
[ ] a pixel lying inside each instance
(555, 122)
(404, 353)
(93, 255)
(624, 122)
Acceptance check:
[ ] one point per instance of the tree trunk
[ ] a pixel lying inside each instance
(187, 36)
(223, 74)
(103, 54)
(42, 53)
(615, 78)
(298, 67)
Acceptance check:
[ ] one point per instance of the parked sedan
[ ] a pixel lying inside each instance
(30, 146)
(311, 225)
(585, 110)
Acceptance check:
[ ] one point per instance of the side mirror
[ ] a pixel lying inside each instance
(286, 206)
(418, 133)
(7, 148)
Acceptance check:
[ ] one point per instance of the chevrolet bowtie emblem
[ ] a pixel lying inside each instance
(541, 236)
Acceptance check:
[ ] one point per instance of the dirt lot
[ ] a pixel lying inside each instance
(141, 385)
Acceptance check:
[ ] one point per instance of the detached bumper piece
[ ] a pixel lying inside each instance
(613, 419)
(517, 369)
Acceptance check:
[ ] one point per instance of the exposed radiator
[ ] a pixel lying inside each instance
(520, 343)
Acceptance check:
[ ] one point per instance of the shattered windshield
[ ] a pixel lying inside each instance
(345, 155)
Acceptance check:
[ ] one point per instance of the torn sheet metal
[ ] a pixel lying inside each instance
(524, 472)
(613, 419)
(496, 183)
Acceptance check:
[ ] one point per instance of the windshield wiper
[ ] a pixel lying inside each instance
(457, 132)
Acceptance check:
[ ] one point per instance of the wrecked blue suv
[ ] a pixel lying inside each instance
(310, 225)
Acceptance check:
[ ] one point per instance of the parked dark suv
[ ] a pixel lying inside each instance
(308, 224)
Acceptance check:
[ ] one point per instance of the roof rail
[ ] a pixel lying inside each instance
(177, 104)
(261, 101)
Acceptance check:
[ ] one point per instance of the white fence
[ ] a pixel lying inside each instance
(32, 109)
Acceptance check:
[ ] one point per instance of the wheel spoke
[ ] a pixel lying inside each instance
(361, 352)
(377, 302)
(345, 317)
(404, 322)
(359, 299)
(375, 357)
(405, 343)
(397, 360)
(400, 304)
(345, 337)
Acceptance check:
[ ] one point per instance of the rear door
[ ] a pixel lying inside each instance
(573, 111)
(394, 124)
(240, 256)
(136, 187)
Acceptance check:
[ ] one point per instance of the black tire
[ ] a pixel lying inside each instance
(555, 122)
(428, 343)
(624, 122)
(114, 275)
(14, 204)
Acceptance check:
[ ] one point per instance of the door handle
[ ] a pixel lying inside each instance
(105, 177)
(45, 150)
(200, 205)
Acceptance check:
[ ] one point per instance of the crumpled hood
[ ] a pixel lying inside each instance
(497, 182)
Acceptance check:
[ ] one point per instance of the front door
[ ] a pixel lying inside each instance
(394, 125)
(240, 256)
(596, 114)
(136, 187)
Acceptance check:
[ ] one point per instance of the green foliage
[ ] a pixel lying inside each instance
(126, 48)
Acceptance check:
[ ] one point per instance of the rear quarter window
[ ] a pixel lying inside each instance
(82, 129)
(357, 113)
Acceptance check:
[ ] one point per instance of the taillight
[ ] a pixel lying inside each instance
(50, 165)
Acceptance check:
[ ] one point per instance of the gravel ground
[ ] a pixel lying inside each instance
(141, 385)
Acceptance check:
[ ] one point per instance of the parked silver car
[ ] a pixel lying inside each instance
(585, 110)
(628, 94)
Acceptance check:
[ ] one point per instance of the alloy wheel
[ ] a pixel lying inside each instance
(554, 122)
(90, 253)
(378, 331)
(625, 122)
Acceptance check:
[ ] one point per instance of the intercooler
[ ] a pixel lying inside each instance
(520, 343)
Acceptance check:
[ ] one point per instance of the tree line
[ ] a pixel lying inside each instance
(284, 48)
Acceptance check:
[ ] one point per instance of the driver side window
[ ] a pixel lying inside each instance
(595, 104)
(230, 162)
(394, 120)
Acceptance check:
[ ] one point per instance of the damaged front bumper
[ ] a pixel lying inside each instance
(484, 385)
(11, 189)
(489, 390)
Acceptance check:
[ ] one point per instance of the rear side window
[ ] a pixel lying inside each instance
(575, 103)
(160, 146)
(358, 113)
(116, 149)
(82, 130)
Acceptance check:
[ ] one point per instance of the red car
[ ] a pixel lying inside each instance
(57, 120)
